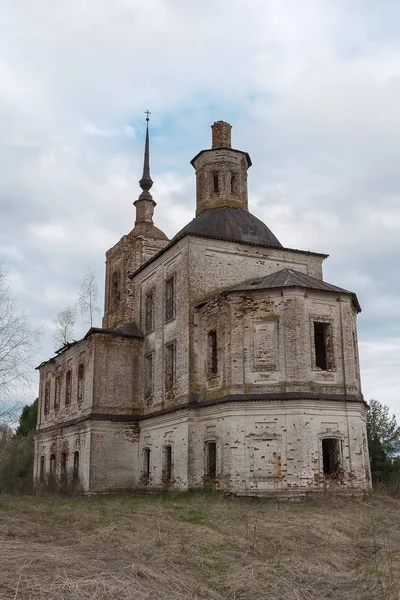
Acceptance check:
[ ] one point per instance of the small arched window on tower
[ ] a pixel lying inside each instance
(115, 290)
(234, 183)
(215, 182)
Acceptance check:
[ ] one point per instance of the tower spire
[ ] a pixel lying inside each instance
(146, 181)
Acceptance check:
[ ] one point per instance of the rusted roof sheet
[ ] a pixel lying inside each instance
(233, 224)
(292, 278)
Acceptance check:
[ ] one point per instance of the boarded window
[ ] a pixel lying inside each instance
(75, 472)
(168, 462)
(81, 381)
(212, 352)
(211, 460)
(149, 375)
(115, 290)
(331, 456)
(41, 470)
(170, 299)
(68, 379)
(47, 398)
(322, 343)
(146, 462)
(215, 182)
(169, 367)
(149, 312)
(57, 393)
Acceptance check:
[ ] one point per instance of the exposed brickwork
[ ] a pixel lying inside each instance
(277, 419)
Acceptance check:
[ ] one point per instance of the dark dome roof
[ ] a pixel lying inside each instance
(228, 223)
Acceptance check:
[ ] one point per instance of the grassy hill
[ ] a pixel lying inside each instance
(186, 546)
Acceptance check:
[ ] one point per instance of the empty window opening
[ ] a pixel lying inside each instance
(331, 456)
(57, 393)
(52, 466)
(233, 183)
(168, 462)
(63, 466)
(211, 460)
(41, 470)
(75, 472)
(149, 378)
(47, 398)
(115, 289)
(146, 462)
(81, 381)
(68, 378)
(149, 312)
(212, 352)
(215, 182)
(170, 299)
(321, 337)
(169, 367)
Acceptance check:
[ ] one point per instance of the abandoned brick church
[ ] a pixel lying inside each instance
(224, 359)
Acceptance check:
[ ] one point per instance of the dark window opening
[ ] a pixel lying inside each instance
(169, 367)
(63, 466)
(149, 312)
(57, 393)
(41, 471)
(233, 183)
(168, 462)
(52, 466)
(47, 398)
(170, 299)
(81, 381)
(75, 472)
(146, 463)
(115, 290)
(149, 379)
(68, 388)
(215, 181)
(321, 332)
(212, 352)
(211, 460)
(331, 456)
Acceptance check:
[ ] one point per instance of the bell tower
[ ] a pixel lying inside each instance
(132, 251)
(221, 172)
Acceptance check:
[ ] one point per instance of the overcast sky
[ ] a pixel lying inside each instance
(311, 87)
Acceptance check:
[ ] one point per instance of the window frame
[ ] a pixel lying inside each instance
(57, 392)
(46, 404)
(168, 463)
(170, 298)
(212, 353)
(68, 387)
(149, 306)
(328, 341)
(149, 375)
(146, 462)
(80, 391)
(170, 366)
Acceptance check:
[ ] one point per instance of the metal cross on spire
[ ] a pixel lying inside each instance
(147, 113)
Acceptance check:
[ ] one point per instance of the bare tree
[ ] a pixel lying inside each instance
(64, 324)
(18, 345)
(89, 297)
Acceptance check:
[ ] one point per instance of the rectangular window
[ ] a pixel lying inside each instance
(68, 378)
(233, 183)
(331, 456)
(149, 313)
(169, 367)
(63, 466)
(322, 345)
(211, 460)
(149, 375)
(81, 381)
(146, 462)
(75, 472)
(47, 398)
(170, 299)
(215, 182)
(52, 467)
(168, 463)
(212, 352)
(41, 471)
(57, 393)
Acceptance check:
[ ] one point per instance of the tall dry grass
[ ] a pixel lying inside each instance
(193, 546)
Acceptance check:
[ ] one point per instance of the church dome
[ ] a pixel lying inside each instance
(227, 223)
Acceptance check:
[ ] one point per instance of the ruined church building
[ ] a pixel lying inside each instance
(224, 359)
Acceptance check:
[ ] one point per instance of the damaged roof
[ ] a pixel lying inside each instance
(290, 278)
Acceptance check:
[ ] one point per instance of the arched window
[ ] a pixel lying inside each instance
(215, 182)
(233, 183)
(115, 289)
(75, 473)
(146, 462)
(81, 381)
(168, 463)
(47, 398)
(41, 471)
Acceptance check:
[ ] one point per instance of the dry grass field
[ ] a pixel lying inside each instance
(172, 547)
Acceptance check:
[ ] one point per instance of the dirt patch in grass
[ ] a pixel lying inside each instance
(189, 546)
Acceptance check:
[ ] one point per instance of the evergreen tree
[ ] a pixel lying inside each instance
(27, 419)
